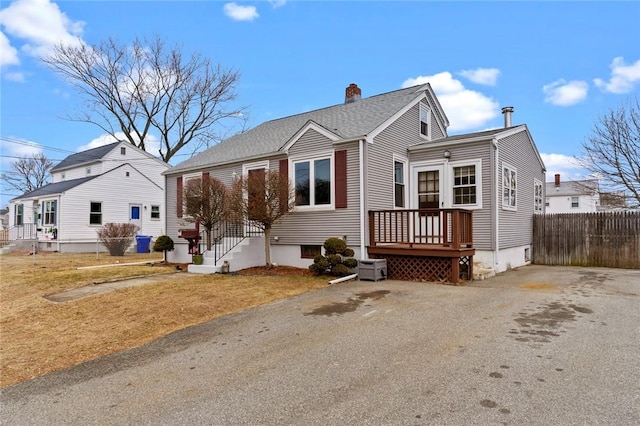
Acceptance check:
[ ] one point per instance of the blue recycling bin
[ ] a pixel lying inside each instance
(143, 241)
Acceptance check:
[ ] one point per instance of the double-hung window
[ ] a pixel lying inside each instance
(537, 195)
(466, 183)
(399, 174)
(313, 183)
(19, 214)
(95, 213)
(49, 213)
(155, 212)
(425, 116)
(575, 202)
(509, 187)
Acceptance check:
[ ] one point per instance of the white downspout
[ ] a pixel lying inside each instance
(498, 198)
(363, 213)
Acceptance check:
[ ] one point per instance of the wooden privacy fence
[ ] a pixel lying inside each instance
(608, 239)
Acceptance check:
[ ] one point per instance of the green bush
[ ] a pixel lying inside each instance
(163, 243)
(336, 261)
(335, 246)
(350, 262)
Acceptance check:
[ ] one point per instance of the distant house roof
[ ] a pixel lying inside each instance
(55, 188)
(572, 188)
(85, 157)
(346, 121)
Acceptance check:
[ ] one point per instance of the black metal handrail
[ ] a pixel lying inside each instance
(227, 235)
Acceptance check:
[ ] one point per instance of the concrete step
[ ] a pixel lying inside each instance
(204, 269)
(482, 272)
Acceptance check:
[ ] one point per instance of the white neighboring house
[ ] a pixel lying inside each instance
(115, 183)
(581, 196)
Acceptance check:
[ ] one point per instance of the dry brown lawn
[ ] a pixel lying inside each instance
(38, 336)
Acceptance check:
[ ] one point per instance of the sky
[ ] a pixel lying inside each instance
(561, 65)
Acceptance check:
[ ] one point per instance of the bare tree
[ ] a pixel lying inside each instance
(28, 173)
(205, 201)
(612, 152)
(147, 90)
(262, 197)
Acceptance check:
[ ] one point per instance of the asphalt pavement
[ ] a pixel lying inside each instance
(533, 346)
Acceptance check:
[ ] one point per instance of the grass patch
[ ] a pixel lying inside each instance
(39, 336)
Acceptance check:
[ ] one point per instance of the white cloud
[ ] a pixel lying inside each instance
(17, 148)
(8, 53)
(240, 13)
(18, 77)
(40, 25)
(623, 77)
(565, 165)
(466, 109)
(277, 3)
(152, 144)
(563, 93)
(485, 76)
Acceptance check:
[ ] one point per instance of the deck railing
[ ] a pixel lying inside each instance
(451, 228)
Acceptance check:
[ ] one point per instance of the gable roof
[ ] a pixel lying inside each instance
(84, 157)
(55, 188)
(65, 185)
(484, 135)
(346, 121)
(571, 187)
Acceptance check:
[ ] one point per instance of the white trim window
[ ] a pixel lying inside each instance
(537, 196)
(49, 212)
(509, 187)
(399, 182)
(575, 202)
(466, 188)
(425, 121)
(313, 181)
(95, 213)
(155, 212)
(18, 215)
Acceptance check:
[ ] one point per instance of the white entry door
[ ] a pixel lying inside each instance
(428, 184)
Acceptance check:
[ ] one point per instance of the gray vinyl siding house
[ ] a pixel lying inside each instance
(390, 144)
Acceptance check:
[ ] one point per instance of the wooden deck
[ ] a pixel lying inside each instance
(423, 244)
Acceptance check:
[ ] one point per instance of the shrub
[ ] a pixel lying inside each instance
(164, 243)
(117, 237)
(335, 246)
(336, 261)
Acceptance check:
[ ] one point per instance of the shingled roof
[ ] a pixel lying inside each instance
(85, 157)
(347, 121)
(56, 188)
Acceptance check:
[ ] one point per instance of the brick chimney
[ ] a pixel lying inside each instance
(352, 93)
(507, 111)
(557, 181)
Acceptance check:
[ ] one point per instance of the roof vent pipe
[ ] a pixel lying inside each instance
(352, 93)
(507, 111)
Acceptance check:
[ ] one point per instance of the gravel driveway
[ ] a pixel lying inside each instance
(538, 345)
